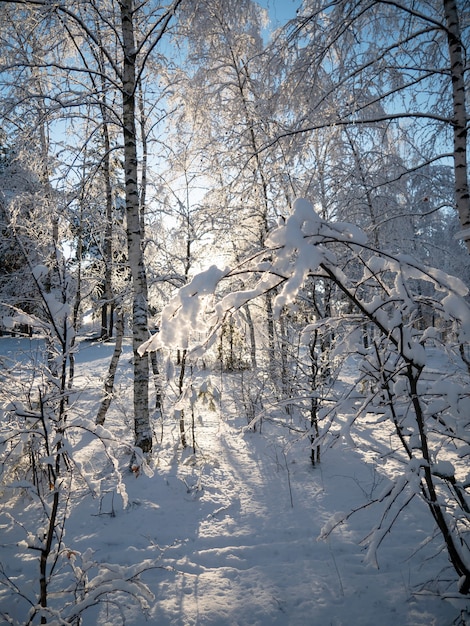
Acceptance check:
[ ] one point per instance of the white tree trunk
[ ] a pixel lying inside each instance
(143, 432)
(462, 197)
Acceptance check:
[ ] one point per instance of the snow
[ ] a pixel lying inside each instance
(458, 308)
(231, 535)
(444, 468)
(184, 315)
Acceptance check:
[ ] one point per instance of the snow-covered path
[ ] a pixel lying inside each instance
(231, 534)
(248, 562)
(239, 527)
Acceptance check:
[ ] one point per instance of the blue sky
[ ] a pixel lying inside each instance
(280, 10)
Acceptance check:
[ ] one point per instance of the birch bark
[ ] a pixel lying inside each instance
(143, 432)
(459, 122)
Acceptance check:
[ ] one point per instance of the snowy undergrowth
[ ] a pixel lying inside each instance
(229, 535)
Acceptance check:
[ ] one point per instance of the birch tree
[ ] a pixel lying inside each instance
(229, 94)
(456, 47)
(133, 33)
(389, 63)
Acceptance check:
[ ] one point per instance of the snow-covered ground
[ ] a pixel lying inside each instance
(229, 536)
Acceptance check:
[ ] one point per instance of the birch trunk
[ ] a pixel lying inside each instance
(459, 120)
(107, 307)
(143, 432)
(109, 383)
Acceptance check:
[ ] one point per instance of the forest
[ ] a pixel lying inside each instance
(234, 312)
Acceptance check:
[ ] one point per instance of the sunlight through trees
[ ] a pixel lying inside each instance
(272, 210)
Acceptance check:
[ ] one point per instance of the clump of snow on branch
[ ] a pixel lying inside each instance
(236, 299)
(185, 312)
(300, 248)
